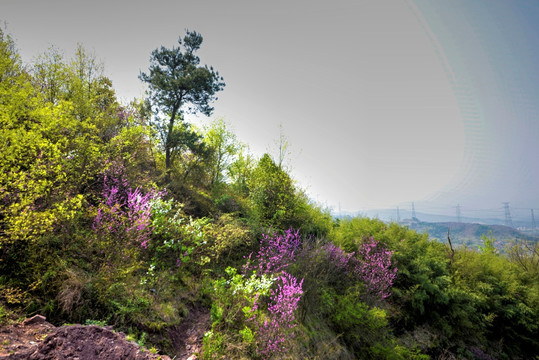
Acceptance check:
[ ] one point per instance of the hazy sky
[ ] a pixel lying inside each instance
(383, 102)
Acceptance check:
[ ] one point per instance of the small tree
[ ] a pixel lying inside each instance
(50, 75)
(272, 193)
(177, 84)
(224, 148)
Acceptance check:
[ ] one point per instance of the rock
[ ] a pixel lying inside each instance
(34, 320)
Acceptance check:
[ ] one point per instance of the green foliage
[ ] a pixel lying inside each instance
(240, 171)
(4, 315)
(502, 306)
(224, 147)
(32, 162)
(525, 254)
(177, 236)
(317, 340)
(228, 239)
(488, 244)
(213, 346)
(233, 314)
(272, 194)
(50, 75)
(95, 322)
(394, 351)
(347, 313)
(365, 329)
(310, 218)
(247, 335)
(181, 240)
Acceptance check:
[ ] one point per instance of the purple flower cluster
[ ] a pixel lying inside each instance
(111, 212)
(375, 268)
(115, 184)
(277, 252)
(337, 256)
(123, 114)
(480, 354)
(139, 209)
(125, 212)
(279, 325)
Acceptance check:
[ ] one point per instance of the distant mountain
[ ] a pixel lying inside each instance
(469, 233)
(389, 215)
(466, 232)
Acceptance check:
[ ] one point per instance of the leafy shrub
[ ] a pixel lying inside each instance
(235, 313)
(272, 194)
(227, 239)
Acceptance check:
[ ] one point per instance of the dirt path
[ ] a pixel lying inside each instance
(187, 337)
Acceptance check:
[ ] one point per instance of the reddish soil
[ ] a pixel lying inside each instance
(36, 339)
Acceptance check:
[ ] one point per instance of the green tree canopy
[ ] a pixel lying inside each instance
(224, 148)
(272, 193)
(178, 84)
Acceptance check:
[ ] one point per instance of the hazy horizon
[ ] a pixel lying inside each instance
(384, 103)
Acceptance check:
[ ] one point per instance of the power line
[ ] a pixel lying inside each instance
(504, 214)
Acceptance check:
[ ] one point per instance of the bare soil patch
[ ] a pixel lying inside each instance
(36, 339)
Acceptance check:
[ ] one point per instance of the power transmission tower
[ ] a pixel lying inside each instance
(458, 213)
(534, 225)
(508, 220)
